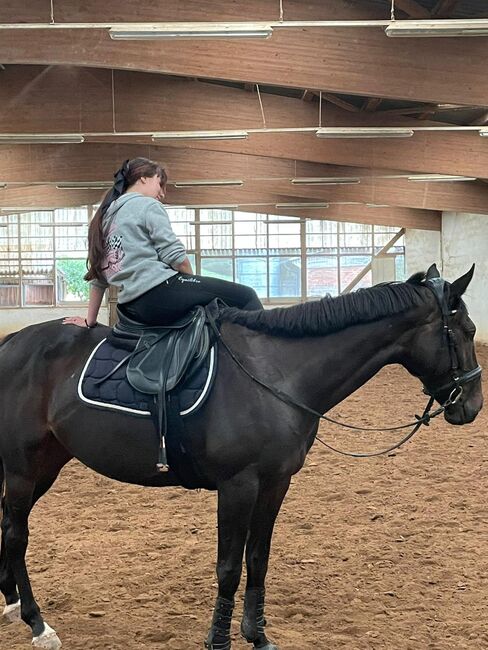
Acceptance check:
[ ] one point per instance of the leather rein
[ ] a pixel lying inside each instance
(455, 385)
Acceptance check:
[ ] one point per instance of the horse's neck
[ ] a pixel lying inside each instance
(322, 371)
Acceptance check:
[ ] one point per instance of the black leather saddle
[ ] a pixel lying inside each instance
(163, 354)
(160, 357)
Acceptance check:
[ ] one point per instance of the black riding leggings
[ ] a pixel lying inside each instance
(173, 298)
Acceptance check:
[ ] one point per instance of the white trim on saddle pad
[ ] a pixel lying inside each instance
(126, 409)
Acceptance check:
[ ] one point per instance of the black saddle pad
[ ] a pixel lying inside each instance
(117, 394)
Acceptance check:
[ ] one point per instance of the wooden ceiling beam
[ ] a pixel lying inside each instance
(250, 200)
(54, 163)
(342, 60)
(66, 99)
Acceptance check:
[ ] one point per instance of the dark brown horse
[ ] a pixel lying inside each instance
(248, 442)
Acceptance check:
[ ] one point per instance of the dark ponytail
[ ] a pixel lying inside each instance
(130, 172)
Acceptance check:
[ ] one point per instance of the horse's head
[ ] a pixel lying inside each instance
(442, 353)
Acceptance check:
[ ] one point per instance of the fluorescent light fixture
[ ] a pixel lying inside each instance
(210, 223)
(199, 135)
(281, 222)
(364, 132)
(433, 28)
(3, 186)
(484, 132)
(177, 31)
(221, 183)
(27, 209)
(439, 178)
(84, 185)
(376, 205)
(208, 206)
(310, 206)
(41, 138)
(347, 180)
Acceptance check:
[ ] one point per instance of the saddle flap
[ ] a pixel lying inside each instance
(162, 357)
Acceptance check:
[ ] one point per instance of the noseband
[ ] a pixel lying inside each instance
(458, 378)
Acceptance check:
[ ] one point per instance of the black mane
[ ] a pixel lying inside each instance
(328, 315)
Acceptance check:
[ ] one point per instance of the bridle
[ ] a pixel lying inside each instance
(455, 385)
(458, 379)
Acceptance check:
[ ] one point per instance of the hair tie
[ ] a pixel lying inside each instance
(121, 178)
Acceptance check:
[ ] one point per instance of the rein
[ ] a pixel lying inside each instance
(456, 392)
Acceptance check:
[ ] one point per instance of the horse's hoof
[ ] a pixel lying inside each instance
(48, 640)
(12, 612)
(268, 646)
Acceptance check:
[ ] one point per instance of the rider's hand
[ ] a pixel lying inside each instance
(75, 320)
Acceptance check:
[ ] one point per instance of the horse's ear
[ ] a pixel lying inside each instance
(432, 272)
(459, 286)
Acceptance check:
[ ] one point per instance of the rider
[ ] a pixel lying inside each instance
(131, 245)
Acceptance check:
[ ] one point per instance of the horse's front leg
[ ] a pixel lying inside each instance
(237, 498)
(258, 546)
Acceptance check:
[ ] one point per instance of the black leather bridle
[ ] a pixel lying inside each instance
(458, 378)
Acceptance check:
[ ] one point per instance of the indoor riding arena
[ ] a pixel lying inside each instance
(314, 150)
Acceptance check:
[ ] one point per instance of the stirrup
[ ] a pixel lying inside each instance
(162, 467)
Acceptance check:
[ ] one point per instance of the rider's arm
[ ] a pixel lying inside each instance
(184, 267)
(94, 302)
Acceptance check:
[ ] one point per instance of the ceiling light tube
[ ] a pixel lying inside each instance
(364, 132)
(222, 183)
(84, 185)
(41, 138)
(484, 132)
(199, 135)
(347, 180)
(376, 205)
(439, 178)
(177, 31)
(26, 209)
(3, 186)
(310, 206)
(434, 28)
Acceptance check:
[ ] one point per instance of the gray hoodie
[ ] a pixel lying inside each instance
(140, 246)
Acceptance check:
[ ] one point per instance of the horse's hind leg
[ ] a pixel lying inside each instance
(258, 546)
(20, 496)
(8, 586)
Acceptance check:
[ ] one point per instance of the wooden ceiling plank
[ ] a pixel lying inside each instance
(48, 196)
(81, 101)
(340, 60)
(54, 163)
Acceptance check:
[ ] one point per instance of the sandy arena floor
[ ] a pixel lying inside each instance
(387, 553)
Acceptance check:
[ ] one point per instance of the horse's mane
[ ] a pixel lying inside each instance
(328, 315)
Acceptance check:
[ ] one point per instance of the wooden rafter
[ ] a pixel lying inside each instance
(342, 103)
(412, 9)
(444, 8)
(371, 104)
